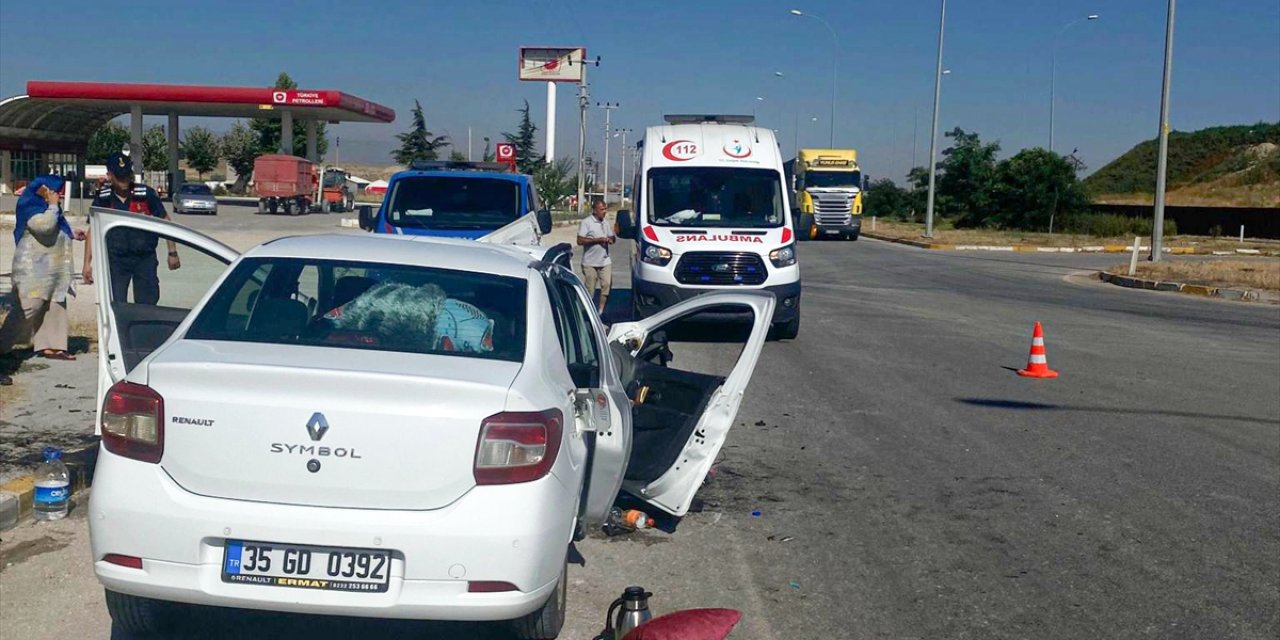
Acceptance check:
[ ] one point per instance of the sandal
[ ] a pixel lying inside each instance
(56, 354)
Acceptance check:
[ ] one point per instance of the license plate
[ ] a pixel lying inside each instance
(305, 566)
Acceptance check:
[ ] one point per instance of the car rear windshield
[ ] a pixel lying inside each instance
(197, 189)
(361, 305)
(453, 203)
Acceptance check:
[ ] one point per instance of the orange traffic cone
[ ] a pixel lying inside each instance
(1038, 363)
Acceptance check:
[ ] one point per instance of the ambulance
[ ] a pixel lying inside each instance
(712, 213)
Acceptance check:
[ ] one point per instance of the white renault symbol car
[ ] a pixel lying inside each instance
(381, 426)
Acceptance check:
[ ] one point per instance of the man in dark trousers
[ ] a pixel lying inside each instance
(132, 252)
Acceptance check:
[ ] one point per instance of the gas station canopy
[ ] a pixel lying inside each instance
(67, 113)
(60, 117)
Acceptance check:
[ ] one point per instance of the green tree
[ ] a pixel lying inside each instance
(457, 156)
(109, 139)
(555, 182)
(885, 199)
(965, 186)
(239, 147)
(488, 155)
(918, 195)
(1035, 188)
(418, 143)
(268, 129)
(155, 149)
(201, 149)
(527, 158)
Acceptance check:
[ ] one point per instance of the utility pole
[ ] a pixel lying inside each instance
(608, 110)
(933, 140)
(583, 103)
(1157, 229)
(468, 144)
(622, 191)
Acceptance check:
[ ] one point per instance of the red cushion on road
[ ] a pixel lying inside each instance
(690, 624)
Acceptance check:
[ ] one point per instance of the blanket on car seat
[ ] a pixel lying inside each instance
(399, 312)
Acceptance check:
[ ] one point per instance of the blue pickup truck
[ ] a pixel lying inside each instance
(484, 201)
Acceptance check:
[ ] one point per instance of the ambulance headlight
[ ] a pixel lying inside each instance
(655, 255)
(783, 257)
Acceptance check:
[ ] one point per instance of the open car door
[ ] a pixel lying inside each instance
(128, 330)
(680, 419)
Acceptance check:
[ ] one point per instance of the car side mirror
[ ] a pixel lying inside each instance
(366, 217)
(626, 226)
(544, 221)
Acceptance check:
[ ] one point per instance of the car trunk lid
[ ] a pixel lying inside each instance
(324, 427)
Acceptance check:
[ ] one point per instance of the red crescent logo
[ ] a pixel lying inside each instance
(680, 150)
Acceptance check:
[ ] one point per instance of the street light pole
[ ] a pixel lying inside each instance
(622, 195)
(1157, 229)
(1053, 66)
(608, 110)
(835, 55)
(933, 139)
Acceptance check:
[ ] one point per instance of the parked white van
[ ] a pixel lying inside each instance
(711, 214)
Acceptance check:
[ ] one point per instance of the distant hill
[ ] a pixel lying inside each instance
(1219, 166)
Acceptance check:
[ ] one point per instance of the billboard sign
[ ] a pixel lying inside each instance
(552, 64)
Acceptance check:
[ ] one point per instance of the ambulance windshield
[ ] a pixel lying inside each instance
(715, 197)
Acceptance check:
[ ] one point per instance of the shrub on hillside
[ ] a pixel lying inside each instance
(1110, 225)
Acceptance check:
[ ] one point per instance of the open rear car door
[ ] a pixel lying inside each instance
(680, 419)
(129, 331)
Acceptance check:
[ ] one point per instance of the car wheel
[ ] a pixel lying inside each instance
(141, 616)
(805, 230)
(787, 330)
(273, 206)
(851, 236)
(546, 622)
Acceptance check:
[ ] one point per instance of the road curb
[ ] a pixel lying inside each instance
(17, 495)
(1242, 295)
(1032, 248)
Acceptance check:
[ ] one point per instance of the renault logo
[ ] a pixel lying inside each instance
(317, 426)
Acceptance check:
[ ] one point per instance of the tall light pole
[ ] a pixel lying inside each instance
(608, 110)
(1157, 229)
(835, 55)
(622, 195)
(933, 138)
(1053, 65)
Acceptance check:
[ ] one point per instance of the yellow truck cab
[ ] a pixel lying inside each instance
(826, 193)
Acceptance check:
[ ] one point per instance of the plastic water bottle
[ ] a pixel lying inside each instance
(53, 487)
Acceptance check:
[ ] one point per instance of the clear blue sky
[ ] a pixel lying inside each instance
(459, 59)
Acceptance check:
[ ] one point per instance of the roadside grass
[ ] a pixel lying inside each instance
(1236, 273)
(915, 231)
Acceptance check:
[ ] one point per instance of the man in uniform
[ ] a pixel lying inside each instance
(132, 251)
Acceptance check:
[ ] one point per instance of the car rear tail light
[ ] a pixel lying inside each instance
(124, 561)
(489, 586)
(517, 446)
(133, 422)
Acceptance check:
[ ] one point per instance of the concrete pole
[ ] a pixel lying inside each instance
(286, 132)
(582, 137)
(175, 179)
(608, 111)
(551, 121)
(313, 148)
(933, 140)
(468, 144)
(135, 137)
(1157, 229)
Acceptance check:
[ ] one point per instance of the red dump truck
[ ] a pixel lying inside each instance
(285, 182)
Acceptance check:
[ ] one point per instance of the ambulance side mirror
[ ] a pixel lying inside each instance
(626, 226)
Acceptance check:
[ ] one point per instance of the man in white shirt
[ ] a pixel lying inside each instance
(595, 236)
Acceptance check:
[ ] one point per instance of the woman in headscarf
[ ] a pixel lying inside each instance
(42, 267)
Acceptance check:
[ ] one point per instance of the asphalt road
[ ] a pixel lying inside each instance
(910, 485)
